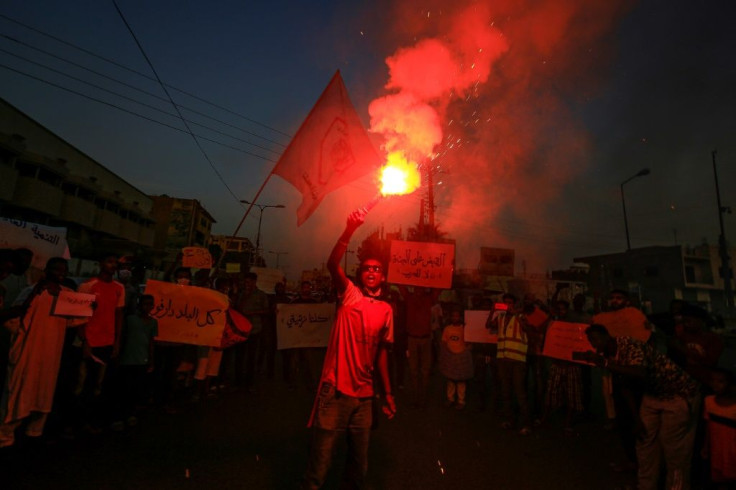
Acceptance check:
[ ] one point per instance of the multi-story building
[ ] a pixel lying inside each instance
(180, 223)
(45, 179)
(657, 275)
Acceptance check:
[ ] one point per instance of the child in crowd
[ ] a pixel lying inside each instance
(720, 436)
(136, 361)
(456, 360)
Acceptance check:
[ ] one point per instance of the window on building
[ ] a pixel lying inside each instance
(49, 177)
(69, 189)
(689, 273)
(651, 271)
(26, 169)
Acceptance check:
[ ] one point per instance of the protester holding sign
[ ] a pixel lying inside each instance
(35, 356)
(564, 383)
(512, 347)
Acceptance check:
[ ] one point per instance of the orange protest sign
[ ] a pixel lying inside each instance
(188, 314)
(423, 264)
(196, 257)
(564, 338)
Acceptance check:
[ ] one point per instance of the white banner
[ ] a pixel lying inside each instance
(267, 278)
(44, 241)
(304, 325)
(475, 327)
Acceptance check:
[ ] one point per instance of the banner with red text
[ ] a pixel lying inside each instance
(423, 264)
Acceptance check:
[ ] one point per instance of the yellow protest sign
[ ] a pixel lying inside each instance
(188, 314)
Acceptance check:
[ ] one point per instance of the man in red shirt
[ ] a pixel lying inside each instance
(356, 351)
(101, 338)
(419, 304)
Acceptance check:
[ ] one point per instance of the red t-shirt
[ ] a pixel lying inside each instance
(100, 330)
(361, 325)
(419, 313)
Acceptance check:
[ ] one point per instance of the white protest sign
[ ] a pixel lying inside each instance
(304, 325)
(44, 241)
(267, 278)
(423, 264)
(475, 327)
(69, 303)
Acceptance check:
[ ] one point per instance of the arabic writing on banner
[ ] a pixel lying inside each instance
(44, 241)
(69, 303)
(304, 325)
(423, 264)
(267, 278)
(564, 338)
(188, 314)
(196, 258)
(475, 327)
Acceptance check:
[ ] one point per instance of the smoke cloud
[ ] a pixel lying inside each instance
(488, 94)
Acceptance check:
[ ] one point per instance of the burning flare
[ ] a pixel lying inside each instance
(399, 176)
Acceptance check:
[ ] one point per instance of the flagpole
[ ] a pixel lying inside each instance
(255, 199)
(237, 229)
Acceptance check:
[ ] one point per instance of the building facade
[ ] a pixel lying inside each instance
(658, 275)
(45, 179)
(179, 223)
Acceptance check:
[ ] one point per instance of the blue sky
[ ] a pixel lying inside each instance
(665, 99)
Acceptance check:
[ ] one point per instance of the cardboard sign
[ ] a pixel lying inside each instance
(44, 241)
(564, 338)
(188, 314)
(196, 258)
(304, 325)
(69, 303)
(475, 327)
(423, 264)
(267, 278)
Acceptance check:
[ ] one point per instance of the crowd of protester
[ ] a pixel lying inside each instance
(658, 377)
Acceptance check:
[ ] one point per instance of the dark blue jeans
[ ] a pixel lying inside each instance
(338, 414)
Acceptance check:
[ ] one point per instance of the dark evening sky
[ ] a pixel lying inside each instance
(579, 99)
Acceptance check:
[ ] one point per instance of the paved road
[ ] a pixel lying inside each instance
(260, 442)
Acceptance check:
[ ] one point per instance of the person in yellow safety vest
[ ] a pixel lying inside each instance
(512, 349)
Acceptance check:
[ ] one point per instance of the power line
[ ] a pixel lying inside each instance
(132, 70)
(78, 65)
(135, 100)
(133, 113)
(189, 130)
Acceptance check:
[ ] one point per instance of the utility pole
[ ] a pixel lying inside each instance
(722, 244)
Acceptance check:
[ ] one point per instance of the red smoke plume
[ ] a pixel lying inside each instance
(489, 91)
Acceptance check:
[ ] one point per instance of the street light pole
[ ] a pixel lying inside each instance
(722, 243)
(278, 255)
(261, 207)
(641, 173)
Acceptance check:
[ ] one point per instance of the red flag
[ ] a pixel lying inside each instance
(330, 149)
